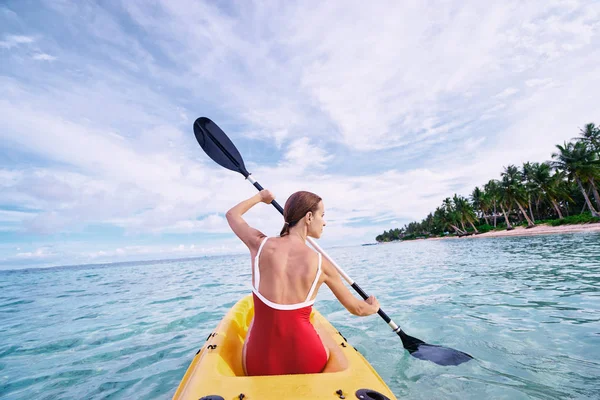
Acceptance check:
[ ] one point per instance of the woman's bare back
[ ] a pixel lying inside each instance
(287, 271)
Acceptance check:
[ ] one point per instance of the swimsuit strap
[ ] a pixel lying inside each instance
(314, 285)
(256, 270)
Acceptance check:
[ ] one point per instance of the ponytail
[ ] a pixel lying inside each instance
(285, 230)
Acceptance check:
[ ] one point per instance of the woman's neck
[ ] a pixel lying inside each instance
(299, 232)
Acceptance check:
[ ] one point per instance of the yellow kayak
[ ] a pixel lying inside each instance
(216, 373)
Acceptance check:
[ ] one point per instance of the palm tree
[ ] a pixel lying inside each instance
(504, 205)
(480, 202)
(580, 164)
(590, 134)
(531, 189)
(465, 211)
(514, 191)
(469, 213)
(591, 137)
(488, 205)
(492, 191)
(556, 189)
(451, 216)
(440, 220)
(546, 186)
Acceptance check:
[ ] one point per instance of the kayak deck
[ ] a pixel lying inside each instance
(217, 368)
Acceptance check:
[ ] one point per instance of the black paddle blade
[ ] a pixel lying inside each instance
(218, 146)
(430, 352)
(440, 355)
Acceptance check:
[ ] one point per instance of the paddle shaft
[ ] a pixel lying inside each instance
(350, 281)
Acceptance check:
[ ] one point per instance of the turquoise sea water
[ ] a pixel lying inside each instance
(527, 308)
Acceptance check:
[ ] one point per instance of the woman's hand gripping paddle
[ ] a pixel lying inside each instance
(217, 146)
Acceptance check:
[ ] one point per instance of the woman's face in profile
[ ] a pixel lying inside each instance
(315, 228)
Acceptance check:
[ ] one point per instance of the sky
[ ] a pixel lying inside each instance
(382, 109)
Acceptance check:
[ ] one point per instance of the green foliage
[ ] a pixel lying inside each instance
(585, 218)
(545, 221)
(412, 236)
(389, 236)
(485, 228)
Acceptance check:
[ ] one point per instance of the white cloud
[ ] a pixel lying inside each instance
(12, 221)
(507, 93)
(538, 82)
(11, 41)
(13, 216)
(472, 144)
(164, 221)
(301, 154)
(43, 57)
(40, 253)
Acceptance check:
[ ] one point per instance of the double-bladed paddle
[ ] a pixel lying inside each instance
(219, 147)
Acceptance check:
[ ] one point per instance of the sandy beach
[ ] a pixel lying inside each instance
(537, 230)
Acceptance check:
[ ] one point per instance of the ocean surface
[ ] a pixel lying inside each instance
(527, 309)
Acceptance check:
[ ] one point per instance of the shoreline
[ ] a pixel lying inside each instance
(542, 229)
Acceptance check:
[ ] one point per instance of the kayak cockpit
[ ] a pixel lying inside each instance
(235, 335)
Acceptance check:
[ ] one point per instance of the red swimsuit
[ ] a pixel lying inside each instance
(282, 340)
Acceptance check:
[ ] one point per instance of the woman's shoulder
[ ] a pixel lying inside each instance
(285, 245)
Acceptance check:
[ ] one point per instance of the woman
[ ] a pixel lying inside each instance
(286, 276)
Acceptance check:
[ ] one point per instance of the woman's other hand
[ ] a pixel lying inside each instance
(373, 304)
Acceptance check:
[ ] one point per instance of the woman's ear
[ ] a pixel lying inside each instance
(309, 215)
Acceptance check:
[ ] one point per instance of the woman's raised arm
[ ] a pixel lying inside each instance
(247, 234)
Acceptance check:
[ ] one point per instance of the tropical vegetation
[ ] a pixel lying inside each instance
(560, 191)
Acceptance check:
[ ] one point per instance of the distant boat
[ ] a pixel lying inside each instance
(369, 244)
